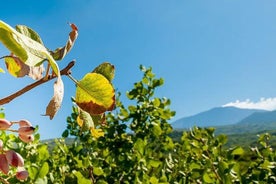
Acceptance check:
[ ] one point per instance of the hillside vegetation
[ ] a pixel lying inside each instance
(110, 154)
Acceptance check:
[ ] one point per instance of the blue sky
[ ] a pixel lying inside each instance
(210, 53)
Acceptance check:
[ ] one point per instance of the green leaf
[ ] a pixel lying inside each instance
(238, 151)
(44, 170)
(140, 146)
(85, 120)
(2, 115)
(154, 163)
(98, 171)
(41, 181)
(207, 178)
(33, 171)
(156, 129)
(65, 133)
(95, 94)
(81, 178)
(27, 49)
(106, 69)
(154, 180)
(29, 33)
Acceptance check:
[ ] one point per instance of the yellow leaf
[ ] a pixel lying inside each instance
(97, 132)
(95, 94)
(79, 121)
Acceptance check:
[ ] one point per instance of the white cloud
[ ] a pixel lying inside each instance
(263, 103)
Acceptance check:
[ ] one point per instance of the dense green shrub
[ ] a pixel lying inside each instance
(134, 145)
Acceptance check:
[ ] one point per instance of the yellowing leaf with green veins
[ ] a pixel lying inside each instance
(95, 94)
(19, 69)
(106, 69)
(16, 67)
(87, 121)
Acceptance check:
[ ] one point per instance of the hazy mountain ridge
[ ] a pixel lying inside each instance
(219, 116)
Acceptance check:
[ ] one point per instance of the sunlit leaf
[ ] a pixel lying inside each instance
(98, 171)
(207, 178)
(16, 67)
(56, 100)
(29, 51)
(81, 178)
(96, 132)
(106, 69)
(26, 48)
(60, 53)
(29, 33)
(238, 151)
(95, 94)
(44, 170)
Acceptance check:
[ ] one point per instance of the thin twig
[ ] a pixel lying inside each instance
(64, 71)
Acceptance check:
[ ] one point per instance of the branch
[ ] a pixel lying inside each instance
(64, 71)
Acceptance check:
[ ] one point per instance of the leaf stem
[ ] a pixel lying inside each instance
(73, 79)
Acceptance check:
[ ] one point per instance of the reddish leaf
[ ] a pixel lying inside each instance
(61, 52)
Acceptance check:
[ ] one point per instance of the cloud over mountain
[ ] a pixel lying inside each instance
(263, 103)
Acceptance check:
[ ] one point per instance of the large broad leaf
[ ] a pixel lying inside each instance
(56, 100)
(26, 46)
(29, 33)
(95, 94)
(60, 53)
(106, 69)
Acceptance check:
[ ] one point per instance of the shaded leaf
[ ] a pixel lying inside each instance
(106, 69)
(88, 121)
(95, 94)
(84, 120)
(61, 52)
(56, 100)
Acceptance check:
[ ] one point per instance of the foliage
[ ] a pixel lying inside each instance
(137, 148)
(94, 93)
(132, 144)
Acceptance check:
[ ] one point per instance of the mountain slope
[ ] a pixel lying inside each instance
(218, 116)
(260, 117)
